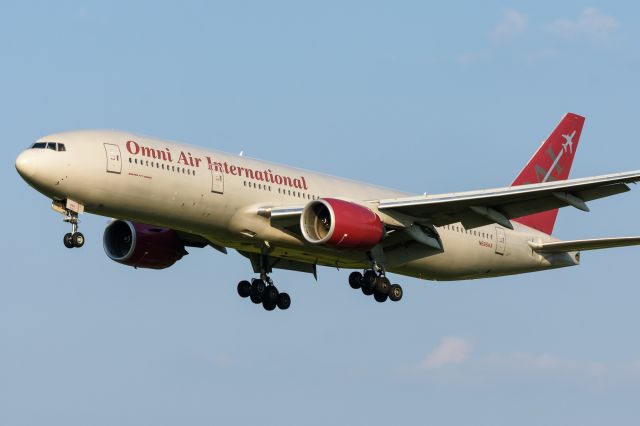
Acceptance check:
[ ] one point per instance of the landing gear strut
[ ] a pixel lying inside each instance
(263, 291)
(374, 282)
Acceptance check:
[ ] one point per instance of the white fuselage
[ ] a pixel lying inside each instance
(218, 196)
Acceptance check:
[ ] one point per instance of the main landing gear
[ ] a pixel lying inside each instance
(376, 284)
(74, 238)
(262, 291)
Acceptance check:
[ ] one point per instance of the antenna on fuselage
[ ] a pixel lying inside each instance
(241, 152)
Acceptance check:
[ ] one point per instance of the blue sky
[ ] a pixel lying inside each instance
(419, 96)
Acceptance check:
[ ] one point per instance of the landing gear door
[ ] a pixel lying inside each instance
(114, 161)
(217, 181)
(501, 240)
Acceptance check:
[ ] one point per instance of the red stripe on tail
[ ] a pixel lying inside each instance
(551, 162)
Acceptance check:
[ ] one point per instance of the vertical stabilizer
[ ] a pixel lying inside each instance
(552, 161)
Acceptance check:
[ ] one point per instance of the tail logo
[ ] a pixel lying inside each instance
(568, 144)
(569, 141)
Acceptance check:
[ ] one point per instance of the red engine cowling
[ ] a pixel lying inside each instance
(341, 224)
(141, 245)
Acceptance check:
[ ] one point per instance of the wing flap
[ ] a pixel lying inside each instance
(583, 245)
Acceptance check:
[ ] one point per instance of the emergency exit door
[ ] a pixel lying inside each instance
(114, 161)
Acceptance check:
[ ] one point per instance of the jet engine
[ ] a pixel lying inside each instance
(142, 246)
(340, 223)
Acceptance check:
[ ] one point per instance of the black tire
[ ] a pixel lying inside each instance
(382, 285)
(268, 306)
(380, 297)
(77, 239)
(355, 280)
(67, 240)
(244, 288)
(258, 287)
(270, 295)
(256, 298)
(395, 292)
(284, 301)
(367, 291)
(369, 279)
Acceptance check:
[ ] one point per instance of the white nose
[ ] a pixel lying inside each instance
(25, 164)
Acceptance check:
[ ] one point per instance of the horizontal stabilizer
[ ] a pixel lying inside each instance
(582, 245)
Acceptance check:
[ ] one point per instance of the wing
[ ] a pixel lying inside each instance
(500, 205)
(582, 245)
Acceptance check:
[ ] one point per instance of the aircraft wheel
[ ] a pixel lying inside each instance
(369, 283)
(244, 288)
(258, 287)
(270, 295)
(268, 305)
(284, 301)
(382, 285)
(256, 298)
(369, 279)
(77, 239)
(367, 291)
(355, 280)
(395, 292)
(380, 297)
(67, 240)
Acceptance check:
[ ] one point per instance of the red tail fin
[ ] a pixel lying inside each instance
(552, 161)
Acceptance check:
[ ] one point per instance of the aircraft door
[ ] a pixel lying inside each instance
(501, 240)
(217, 181)
(114, 160)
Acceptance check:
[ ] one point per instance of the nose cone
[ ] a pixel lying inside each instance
(25, 165)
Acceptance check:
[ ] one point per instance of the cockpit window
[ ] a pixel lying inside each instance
(50, 145)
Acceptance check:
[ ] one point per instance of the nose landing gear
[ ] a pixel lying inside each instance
(74, 238)
(70, 210)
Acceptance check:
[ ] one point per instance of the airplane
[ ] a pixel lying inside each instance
(164, 197)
